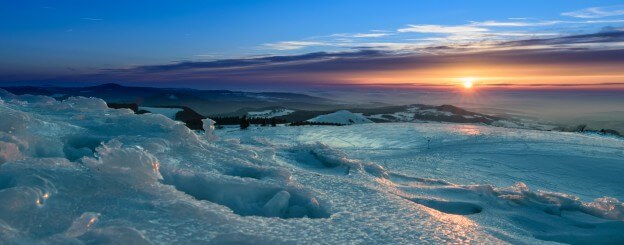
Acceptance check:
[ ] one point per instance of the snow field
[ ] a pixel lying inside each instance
(74, 171)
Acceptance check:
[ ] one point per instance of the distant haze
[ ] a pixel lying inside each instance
(597, 108)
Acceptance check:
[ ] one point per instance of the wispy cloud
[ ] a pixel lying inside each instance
(493, 23)
(597, 12)
(92, 19)
(524, 51)
(208, 56)
(601, 40)
(442, 29)
(293, 45)
(362, 35)
(476, 34)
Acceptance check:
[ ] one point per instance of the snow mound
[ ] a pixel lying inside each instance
(209, 127)
(168, 112)
(341, 117)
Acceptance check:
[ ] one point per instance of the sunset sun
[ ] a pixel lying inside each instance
(467, 82)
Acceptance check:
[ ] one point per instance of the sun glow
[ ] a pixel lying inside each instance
(468, 82)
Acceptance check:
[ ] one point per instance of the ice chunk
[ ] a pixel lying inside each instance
(249, 197)
(606, 207)
(335, 159)
(13, 120)
(209, 128)
(82, 224)
(86, 104)
(115, 235)
(9, 152)
(131, 165)
(278, 205)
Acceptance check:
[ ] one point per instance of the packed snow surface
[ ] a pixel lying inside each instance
(341, 117)
(75, 171)
(168, 112)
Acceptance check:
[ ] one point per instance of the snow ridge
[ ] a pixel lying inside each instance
(343, 117)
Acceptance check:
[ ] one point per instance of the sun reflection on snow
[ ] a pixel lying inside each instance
(156, 167)
(468, 130)
(457, 227)
(91, 222)
(40, 200)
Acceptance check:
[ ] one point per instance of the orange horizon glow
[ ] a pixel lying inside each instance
(489, 76)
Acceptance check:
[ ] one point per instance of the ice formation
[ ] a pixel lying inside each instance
(74, 171)
(209, 127)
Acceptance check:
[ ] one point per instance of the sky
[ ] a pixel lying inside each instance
(280, 45)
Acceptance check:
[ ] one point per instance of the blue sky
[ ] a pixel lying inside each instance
(45, 38)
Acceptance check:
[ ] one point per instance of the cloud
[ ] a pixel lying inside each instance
(442, 29)
(524, 34)
(552, 50)
(597, 12)
(404, 40)
(493, 23)
(92, 19)
(293, 45)
(362, 35)
(330, 67)
(256, 62)
(208, 56)
(611, 35)
(415, 47)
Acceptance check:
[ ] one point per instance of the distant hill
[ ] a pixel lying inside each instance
(193, 105)
(341, 117)
(205, 102)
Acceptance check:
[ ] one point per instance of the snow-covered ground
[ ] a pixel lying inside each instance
(77, 172)
(270, 113)
(410, 114)
(341, 117)
(399, 116)
(168, 112)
